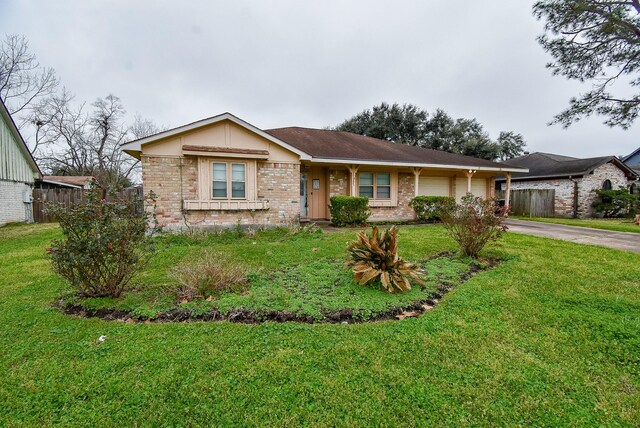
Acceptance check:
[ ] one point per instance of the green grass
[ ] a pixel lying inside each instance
(616, 224)
(302, 275)
(549, 338)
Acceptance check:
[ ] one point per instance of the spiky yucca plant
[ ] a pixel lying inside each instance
(375, 258)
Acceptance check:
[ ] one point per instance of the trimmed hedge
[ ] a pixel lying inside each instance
(427, 208)
(349, 210)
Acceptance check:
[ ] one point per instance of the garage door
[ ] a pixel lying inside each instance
(433, 186)
(478, 187)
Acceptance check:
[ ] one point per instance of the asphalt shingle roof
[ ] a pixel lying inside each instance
(550, 165)
(328, 144)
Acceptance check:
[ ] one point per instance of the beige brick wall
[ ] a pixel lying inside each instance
(339, 185)
(403, 211)
(338, 182)
(174, 179)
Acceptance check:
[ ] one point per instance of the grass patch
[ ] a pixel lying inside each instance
(550, 338)
(615, 224)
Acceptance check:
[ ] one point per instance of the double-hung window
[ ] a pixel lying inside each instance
(375, 185)
(229, 180)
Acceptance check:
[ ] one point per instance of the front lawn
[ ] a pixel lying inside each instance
(615, 224)
(549, 337)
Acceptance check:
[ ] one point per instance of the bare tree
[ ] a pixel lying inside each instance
(73, 141)
(22, 80)
(142, 127)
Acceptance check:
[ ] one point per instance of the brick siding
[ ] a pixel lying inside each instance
(278, 183)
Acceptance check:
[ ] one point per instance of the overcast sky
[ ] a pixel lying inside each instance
(312, 63)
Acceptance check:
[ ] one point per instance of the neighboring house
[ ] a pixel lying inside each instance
(18, 172)
(222, 171)
(574, 180)
(632, 160)
(65, 182)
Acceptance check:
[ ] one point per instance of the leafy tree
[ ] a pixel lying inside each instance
(597, 41)
(510, 145)
(408, 124)
(462, 136)
(400, 123)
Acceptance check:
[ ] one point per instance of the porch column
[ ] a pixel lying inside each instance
(507, 192)
(353, 171)
(416, 175)
(469, 174)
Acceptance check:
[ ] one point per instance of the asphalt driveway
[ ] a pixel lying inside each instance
(582, 235)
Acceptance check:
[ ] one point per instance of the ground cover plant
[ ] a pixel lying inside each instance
(615, 224)
(230, 276)
(536, 341)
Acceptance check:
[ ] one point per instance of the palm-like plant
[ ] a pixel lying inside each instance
(375, 258)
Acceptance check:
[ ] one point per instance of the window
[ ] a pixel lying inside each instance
(383, 185)
(222, 187)
(366, 184)
(606, 185)
(378, 184)
(219, 180)
(237, 180)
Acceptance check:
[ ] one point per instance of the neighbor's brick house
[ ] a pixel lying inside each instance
(222, 171)
(574, 180)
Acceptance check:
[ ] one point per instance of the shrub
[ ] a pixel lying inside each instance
(427, 208)
(105, 243)
(375, 257)
(349, 210)
(473, 223)
(209, 275)
(615, 203)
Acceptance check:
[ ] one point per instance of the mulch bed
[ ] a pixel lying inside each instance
(258, 316)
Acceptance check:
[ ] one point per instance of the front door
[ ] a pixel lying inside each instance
(317, 193)
(304, 202)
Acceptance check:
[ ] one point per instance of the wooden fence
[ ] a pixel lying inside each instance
(69, 197)
(531, 202)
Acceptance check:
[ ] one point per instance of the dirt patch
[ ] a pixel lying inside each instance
(257, 316)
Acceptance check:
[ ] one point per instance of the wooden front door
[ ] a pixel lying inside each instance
(317, 193)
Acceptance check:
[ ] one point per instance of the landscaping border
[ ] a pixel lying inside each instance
(259, 316)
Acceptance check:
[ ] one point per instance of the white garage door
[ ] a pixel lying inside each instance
(433, 186)
(478, 187)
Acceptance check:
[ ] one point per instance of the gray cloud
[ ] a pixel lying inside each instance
(312, 63)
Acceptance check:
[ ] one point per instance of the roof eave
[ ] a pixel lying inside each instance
(418, 165)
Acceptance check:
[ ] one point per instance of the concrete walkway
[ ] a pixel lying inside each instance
(627, 241)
